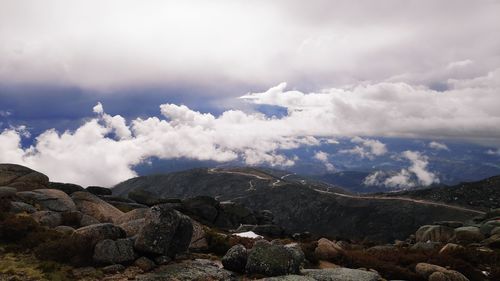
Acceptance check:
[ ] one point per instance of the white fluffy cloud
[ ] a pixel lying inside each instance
(323, 158)
(120, 43)
(438, 146)
(416, 174)
(367, 148)
(105, 149)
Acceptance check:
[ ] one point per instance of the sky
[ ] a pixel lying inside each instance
(89, 87)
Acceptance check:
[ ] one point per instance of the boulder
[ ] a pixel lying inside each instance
(21, 207)
(495, 231)
(162, 260)
(144, 264)
(468, 234)
(434, 233)
(98, 190)
(22, 178)
(425, 246)
(273, 260)
(451, 249)
(67, 188)
(205, 208)
(90, 204)
(109, 251)
(493, 241)
(165, 232)
(95, 233)
(341, 274)
(196, 270)
(48, 199)
(236, 258)
(132, 227)
(492, 214)
(427, 270)
(72, 218)
(198, 239)
(327, 250)
(488, 226)
(112, 269)
(47, 218)
(88, 220)
(7, 192)
(132, 215)
(64, 229)
(125, 206)
(144, 197)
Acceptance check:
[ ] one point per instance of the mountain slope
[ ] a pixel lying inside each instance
(303, 207)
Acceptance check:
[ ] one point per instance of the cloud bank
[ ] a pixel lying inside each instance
(105, 143)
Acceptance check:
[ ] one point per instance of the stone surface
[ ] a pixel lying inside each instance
(232, 215)
(99, 190)
(88, 220)
(132, 215)
(468, 234)
(90, 204)
(67, 188)
(53, 200)
(21, 207)
(198, 239)
(451, 249)
(165, 232)
(68, 230)
(203, 207)
(425, 246)
(268, 230)
(47, 218)
(493, 241)
(7, 191)
(114, 268)
(145, 264)
(434, 233)
(427, 270)
(95, 233)
(110, 251)
(273, 260)
(133, 227)
(235, 259)
(327, 250)
(488, 226)
(341, 274)
(196, 270)
(290, 277)
(22, 178)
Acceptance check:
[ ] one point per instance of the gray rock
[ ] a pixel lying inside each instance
(88, 220)
(132, 215)
(198, 239)
(22, 178)
(197, 270)
(205, 208)
(452, 249)
(67, 188)
(165, 232)
(57, 200)
(428, 271)
(341, 274)
(95, 233)
(93, 206)
(488, 226)
(493, 241)
(145, 264)
(425, 246)
(495, 231)
(21, 207)
(108, 251)
(47, 218)
(162, 260)
(231, 215)
(7, 192)
(144, 197)
(468, 234)
(273, 260)
(114, 268)
(434, 233)
(133, 227)
(236, 258)
(327, 250)
(68, 230)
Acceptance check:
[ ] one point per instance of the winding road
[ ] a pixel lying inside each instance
(275, 183)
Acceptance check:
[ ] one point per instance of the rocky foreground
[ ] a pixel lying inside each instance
(53, 231)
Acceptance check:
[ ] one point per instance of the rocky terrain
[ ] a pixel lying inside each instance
(301, 206)
(55, 231)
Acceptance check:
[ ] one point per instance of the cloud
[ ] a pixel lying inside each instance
(368, 148)
(415, 175)
(5, 113)
(319, 43)
(323, 158)
(109, 146)
(493, 152)
(438, 146)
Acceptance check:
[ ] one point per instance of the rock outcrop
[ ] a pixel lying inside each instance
(22, 178)
(91, 205)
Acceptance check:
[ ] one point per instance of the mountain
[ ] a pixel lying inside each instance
(481, 195)
(303, 206)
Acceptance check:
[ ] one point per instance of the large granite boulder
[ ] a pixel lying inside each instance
(7, 192)
(47, 218)
(48, 199)
(236, 258)
(434, 233)
(95, 233)
(435, 273)
(327, 250)
(91, 205)
(341, 274)
(165, 232)
(109, 251)
(99, 190)
(468, 234)
(199, 237)
(22, 178)
(274, 259)
(133, 215)
(68, 188)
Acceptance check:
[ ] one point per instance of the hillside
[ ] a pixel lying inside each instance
(302, 207)
(481, 195)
